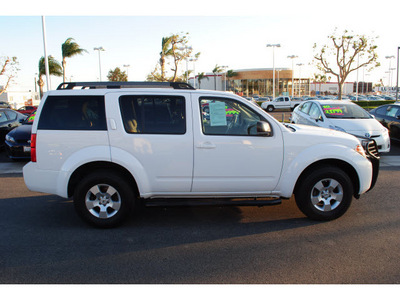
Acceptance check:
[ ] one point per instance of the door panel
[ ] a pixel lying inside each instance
(228, 156)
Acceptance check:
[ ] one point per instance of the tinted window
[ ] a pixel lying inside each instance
(11, 115)
(314, 111)
(153, 114)
(73, 113)
(305, 107)
(3, 117)
(221, 116)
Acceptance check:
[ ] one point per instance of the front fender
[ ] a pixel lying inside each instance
(295, 165)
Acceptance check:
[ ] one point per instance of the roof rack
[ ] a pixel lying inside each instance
(124, 84)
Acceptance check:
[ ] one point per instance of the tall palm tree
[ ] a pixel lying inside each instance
(230, 74)
(165, 51)
(69, 49)
(54, 69)
(217, 69)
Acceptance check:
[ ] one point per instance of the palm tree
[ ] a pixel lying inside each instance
(69, 49)
(217, 69)
(54, 69)
(230, 74)
(165, 51)
(200, 77)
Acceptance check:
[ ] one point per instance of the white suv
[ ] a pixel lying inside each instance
(114, 145)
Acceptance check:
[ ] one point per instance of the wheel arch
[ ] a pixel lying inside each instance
(91, 167)
(344, 166)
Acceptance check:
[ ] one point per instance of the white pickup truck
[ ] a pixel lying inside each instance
(113, 145)
(282, 102)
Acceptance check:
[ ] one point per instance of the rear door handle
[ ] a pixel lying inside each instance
(206, 145)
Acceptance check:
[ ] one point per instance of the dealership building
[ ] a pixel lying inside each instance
(248, 82)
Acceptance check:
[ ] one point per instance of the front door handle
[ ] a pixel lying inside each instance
(206, 145)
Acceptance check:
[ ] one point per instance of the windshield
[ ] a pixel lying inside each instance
(344, 111)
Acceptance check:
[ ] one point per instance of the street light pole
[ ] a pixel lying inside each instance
(390, 60)
(194, 71)
(397, 80)
(273, 67)
(127, 74)
(300, 64)
(292, 57)
(186, 48)
(99, 49)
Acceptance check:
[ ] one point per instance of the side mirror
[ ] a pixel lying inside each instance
(264, 128)
(320, 119)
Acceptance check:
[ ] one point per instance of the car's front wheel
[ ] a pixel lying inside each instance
(104, 199)
(324, 194)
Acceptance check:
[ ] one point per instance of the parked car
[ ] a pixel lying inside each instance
(9, 119)
(4, 104)
(343, 116)
(389, 116)
(168, 144)
(282, 102)
(18, 140)
(27, 110)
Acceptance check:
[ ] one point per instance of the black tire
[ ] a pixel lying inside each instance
(104, 199)
(270, 108)
(324, 194)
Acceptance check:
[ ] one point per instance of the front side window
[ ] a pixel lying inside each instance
(305, 107)
(152, 114)
(73, 113)
(315, 113)
(12, 115)
(221, 116)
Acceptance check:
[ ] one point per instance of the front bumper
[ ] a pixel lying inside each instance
(371, 150)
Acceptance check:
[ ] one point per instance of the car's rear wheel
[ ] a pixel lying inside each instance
(324, 194)
(104, 199)
(270, 108)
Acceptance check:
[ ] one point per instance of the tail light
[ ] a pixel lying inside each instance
(33, 147)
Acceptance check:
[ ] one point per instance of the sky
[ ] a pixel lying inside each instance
(226, 33)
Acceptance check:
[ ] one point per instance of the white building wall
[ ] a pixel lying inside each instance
(209, 81)
(331, 87)
(18, 99)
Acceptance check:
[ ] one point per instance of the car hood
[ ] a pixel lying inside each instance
(22, 132)
(358, 126)
(313, 135)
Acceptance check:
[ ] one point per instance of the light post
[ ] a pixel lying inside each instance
(397, 80)
(99, 49)
(273, 66)
(186, 59)
(194, 71)
(127, 74)
(224, 68)
(300, 64)
(390, 60)
(292, 57)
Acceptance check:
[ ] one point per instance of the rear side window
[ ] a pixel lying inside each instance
(153, 114)
(73, 113)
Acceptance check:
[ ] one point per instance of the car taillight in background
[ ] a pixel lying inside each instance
(33, 147)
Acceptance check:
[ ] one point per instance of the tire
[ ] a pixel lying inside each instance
(324, 194)
(270, 108)
(104, 199)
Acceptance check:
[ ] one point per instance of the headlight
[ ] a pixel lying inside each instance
(10, 139)
(360, 150)
(385, 132)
